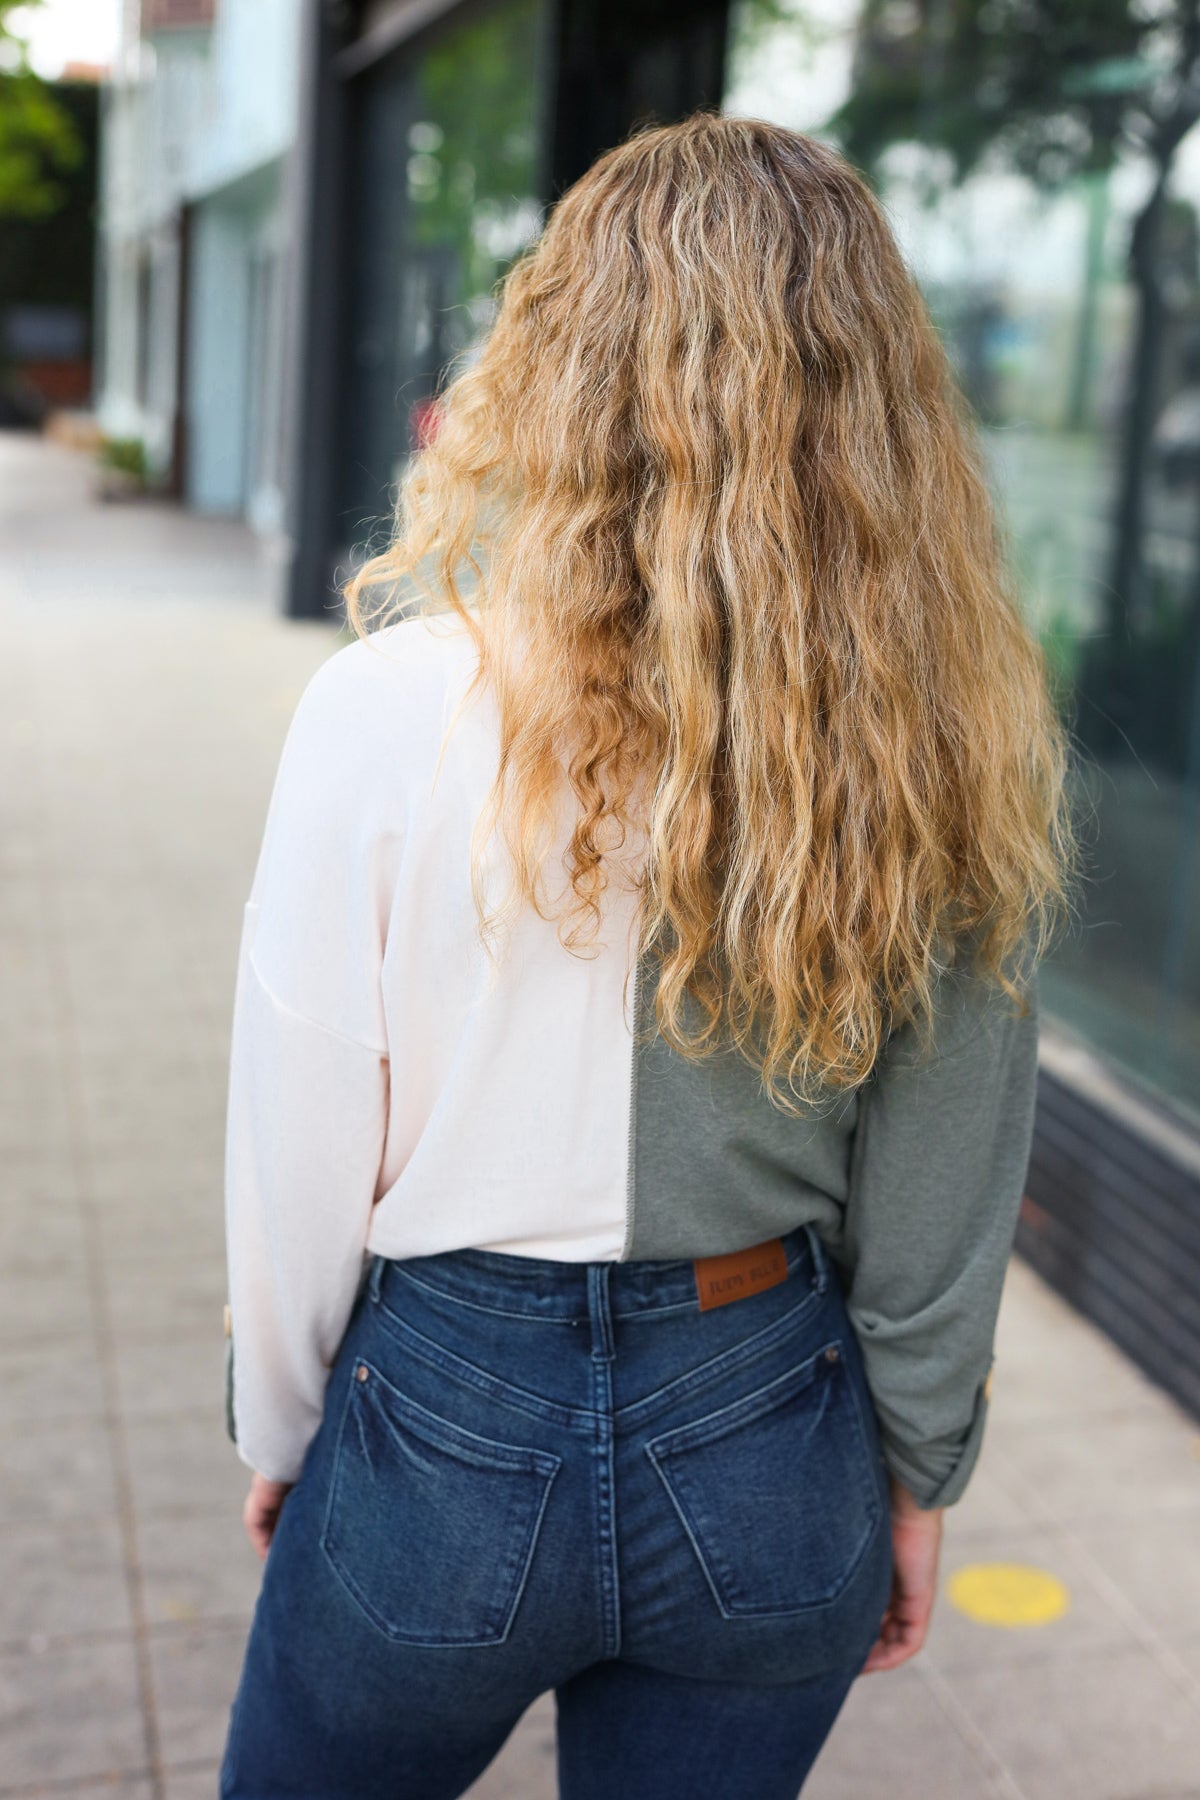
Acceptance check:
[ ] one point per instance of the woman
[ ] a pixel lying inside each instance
(635, 1035)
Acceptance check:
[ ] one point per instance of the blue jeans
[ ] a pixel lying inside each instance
(535, 1474)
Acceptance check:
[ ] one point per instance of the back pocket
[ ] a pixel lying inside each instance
(778, 1492)
(431, 1528)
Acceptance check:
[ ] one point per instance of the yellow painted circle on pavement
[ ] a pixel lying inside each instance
(1009, 1595)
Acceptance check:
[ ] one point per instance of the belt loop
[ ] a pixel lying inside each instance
(599, 1306)
(820, 1258)
(375, 1278)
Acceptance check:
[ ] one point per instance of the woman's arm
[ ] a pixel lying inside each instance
(306, 1121)
(308, 1074)
(938, 1172)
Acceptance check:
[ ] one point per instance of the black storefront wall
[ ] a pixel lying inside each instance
(1111, 1219)
(447, 134)
(48, 279)
(605, 65)
(618, 64)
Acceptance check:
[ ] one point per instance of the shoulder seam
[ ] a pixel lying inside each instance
(303, 1019)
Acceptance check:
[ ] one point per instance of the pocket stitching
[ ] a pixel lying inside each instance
(541, 1463)
(732, 1361)
(445, 1435)
(746, 1407)
(467, 1374)
(717, 1424)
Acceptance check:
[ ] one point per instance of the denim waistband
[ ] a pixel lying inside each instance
(543, 1287)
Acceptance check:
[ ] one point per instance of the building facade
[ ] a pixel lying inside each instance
(337, 240)
(199, 118)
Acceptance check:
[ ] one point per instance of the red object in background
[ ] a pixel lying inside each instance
(175, 15)
(425, 416)
(60, 381)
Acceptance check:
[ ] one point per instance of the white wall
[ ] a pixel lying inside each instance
(234, 373)
(217, 361)
(253, 83)
(203, 118)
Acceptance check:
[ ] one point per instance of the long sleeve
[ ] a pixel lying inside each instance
(308, 1081)
(937, 1175)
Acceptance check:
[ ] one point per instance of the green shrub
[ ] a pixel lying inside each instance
(128, 455)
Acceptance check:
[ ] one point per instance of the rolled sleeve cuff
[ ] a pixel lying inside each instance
(230, 1424)
(939, 1479)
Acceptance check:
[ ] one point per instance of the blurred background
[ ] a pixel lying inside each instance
(239, 242)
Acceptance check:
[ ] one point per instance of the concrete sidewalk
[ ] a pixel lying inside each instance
(146, 681)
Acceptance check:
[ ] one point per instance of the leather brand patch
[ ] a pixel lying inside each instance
(720, 1279)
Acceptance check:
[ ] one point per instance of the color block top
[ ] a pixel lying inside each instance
(392, 1092)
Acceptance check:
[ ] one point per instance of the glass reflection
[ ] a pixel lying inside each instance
(447, 149)
(1041, 165)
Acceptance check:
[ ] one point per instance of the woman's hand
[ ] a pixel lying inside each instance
(916, 1543)
(260, 1515)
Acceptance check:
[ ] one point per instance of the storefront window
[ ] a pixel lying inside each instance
(1042, 170)
(448, 148)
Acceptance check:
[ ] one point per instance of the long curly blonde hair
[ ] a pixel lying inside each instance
(710, 502)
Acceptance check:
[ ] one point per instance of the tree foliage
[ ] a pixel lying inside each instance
(39, 141)
(1051, 89)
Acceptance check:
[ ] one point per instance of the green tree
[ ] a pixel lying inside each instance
(39, 142)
